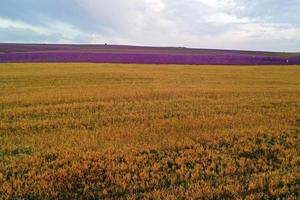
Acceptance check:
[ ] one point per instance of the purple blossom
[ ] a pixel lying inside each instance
(142, 55)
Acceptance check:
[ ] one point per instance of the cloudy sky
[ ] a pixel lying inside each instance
(228, 24)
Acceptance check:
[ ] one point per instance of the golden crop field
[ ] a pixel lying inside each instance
(112, 131)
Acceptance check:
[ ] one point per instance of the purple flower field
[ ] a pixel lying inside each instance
(140, 55)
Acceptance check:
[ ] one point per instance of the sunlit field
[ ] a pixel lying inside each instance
(125, 131)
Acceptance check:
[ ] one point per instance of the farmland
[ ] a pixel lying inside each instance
(140, 55)
(132, 131)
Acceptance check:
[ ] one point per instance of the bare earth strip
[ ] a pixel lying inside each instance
(124, 131)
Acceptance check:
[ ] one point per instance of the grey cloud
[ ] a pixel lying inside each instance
(43, 12)
(25, 35)
(275, 11)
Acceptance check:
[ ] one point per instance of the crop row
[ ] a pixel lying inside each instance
(141, 58)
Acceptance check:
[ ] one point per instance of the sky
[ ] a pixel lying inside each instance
(271, 25)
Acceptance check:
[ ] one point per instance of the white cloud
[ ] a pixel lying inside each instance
(225, 18)
(219, 4)
(234, 24)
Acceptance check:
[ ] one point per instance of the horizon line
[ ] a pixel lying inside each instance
(147, 46)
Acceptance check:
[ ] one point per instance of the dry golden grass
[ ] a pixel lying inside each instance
(109, 131)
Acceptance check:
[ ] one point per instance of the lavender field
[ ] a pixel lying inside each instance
(19, 53)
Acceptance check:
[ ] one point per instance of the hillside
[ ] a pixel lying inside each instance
(140, 55)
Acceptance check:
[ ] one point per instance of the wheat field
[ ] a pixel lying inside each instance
(124, 131)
